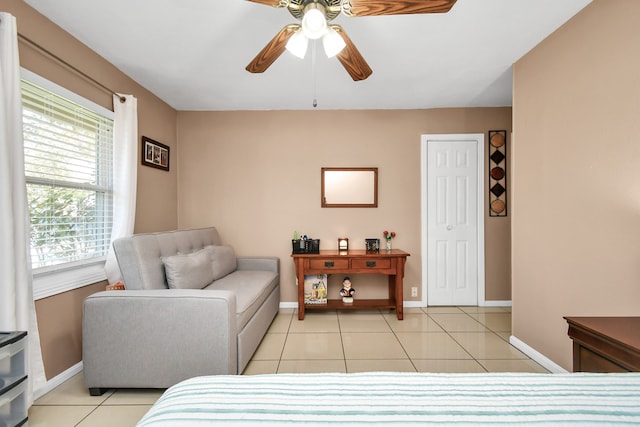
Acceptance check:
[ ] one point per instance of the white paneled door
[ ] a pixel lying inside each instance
(454, 196)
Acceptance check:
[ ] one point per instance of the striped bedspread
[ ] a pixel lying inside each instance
(400, 399)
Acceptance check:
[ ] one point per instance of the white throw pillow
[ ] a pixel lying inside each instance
(191, 271)
(224, 261)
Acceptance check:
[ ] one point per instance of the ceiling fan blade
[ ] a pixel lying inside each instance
(351, 59)
(274, 3)
(272, 50)
(401, 7)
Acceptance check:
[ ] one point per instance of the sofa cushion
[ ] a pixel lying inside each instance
(140, 256)
(190, 271)
(251, 288)
(224, 261)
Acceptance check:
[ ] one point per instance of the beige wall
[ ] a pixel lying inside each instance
(256, 176)
(59, 316)
(59, 324)
(576, 193)
(157, 189)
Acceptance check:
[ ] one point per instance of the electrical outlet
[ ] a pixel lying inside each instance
(414, 291)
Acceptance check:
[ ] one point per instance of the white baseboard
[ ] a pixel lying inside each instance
(406, 304)
(414, 304)
(500, 303)
(423, 304)
(288, 305)
(543, 360)
(57, 380)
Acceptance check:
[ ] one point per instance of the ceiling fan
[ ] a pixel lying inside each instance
(315, 18)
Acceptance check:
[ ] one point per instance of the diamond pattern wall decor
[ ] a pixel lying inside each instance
(497, 173)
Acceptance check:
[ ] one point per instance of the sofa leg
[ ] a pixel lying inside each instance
(97, 391)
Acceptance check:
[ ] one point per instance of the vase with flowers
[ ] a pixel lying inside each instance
(388, 235)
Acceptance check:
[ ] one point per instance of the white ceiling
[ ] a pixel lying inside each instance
(193, 53)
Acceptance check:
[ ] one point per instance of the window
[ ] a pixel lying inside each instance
(68, 150)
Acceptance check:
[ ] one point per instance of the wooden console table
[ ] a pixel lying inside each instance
(605, 344)
(356, 261)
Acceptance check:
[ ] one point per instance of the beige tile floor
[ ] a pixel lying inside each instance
(434, 339)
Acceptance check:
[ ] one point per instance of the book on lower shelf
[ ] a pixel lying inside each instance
(315, 289)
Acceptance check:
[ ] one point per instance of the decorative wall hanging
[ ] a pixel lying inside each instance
(497, 173)
(155, 154)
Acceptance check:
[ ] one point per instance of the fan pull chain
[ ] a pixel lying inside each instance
(314, 73)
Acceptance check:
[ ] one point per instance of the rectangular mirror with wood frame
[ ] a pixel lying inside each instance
(349, 188)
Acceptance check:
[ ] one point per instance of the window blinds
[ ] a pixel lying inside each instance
(68, 166)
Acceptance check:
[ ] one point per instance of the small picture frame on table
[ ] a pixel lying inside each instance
(155, 154)
(372, 245)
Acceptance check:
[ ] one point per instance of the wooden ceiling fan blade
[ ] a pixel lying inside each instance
(272, 50)
(273, 3)
(351, 59)
(400, 7)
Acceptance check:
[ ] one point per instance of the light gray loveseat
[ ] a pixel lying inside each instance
(190, 308)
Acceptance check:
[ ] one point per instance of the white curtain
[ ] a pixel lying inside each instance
(125, 175)
(17, 308)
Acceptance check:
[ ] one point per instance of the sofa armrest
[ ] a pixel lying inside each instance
(259, 263)
(156, 338)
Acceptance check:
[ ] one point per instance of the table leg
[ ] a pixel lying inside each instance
(395, 292)
(300, 272)
(399, 297)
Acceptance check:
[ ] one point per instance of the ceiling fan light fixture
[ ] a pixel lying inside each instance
(297, 44)
(314, 23)
(333, 43)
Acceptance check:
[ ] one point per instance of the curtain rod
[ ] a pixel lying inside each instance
(62, 61)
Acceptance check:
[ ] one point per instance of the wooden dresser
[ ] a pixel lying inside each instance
(390, 263)
(605, 344)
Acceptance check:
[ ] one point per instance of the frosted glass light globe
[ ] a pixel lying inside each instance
(333, 43)
(314, 24)
(297, 44)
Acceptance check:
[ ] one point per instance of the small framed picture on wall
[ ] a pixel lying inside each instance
(155, 154)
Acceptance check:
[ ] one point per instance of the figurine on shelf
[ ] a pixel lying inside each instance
(347, 291)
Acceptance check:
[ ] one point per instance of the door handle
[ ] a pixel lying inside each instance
(371, 263)
(328, 263)
(449, 227)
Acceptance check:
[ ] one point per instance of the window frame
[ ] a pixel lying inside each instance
(53, 280)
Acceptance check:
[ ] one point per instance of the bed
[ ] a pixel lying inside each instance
(400, 399)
